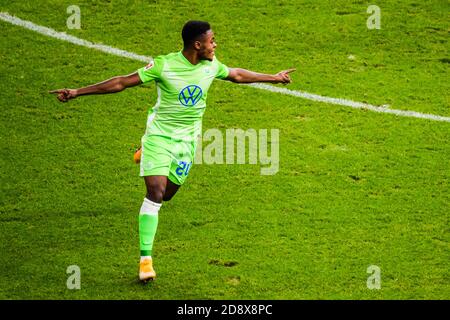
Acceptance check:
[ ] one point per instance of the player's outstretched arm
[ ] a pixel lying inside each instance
(239, 75)
(112, 85)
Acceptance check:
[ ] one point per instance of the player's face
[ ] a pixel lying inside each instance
(207, 46)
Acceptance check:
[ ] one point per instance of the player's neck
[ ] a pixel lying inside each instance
(191, 56)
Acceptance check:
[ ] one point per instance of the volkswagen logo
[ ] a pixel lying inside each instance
(190, 95)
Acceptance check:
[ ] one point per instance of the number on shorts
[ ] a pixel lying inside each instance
(183, 168)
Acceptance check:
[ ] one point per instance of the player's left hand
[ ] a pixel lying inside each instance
(283, 76)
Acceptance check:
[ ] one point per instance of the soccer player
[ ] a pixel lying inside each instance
(168, 145)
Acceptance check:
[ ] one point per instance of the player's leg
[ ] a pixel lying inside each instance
(163, 176)
(159, 188)
(155, 165)
(148, 223)
(156, 188)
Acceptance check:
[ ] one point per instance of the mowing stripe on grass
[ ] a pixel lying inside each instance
(305, 95)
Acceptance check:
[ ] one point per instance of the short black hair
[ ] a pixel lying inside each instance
(192, 30)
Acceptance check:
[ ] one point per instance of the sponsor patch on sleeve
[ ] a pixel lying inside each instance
(150, 65)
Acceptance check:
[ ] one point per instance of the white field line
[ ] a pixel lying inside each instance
(122, 53)
(65, 37)
(349, 103)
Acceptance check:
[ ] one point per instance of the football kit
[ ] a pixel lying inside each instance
(175, 122)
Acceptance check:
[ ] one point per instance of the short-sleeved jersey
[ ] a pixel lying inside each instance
(182, 90)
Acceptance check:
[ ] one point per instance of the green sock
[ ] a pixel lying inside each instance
(148, 223)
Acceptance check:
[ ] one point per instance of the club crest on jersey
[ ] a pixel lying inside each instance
(190, 95)
(149, 66)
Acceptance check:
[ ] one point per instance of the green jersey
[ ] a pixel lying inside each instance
(182, 90)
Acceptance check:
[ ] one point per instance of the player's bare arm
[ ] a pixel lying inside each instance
(115, 84)
(239, 75)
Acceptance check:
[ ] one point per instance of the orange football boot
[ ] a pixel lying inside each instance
(146, 271)
(137, 155)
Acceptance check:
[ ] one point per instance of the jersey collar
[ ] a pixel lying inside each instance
(180, 53)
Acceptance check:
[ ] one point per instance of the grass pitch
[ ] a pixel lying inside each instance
(355, 188)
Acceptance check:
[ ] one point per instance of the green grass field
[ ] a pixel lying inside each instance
(355, 188)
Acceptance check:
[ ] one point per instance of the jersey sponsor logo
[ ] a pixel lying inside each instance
(149, 66)
(190, 95)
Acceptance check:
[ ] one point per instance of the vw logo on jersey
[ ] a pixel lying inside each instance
(190, 95)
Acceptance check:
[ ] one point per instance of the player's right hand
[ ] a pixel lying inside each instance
(65, 95)
(283, 76)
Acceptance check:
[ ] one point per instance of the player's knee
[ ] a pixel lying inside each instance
(155, 193)
(155, 196)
